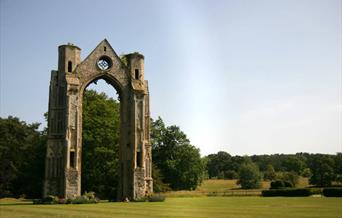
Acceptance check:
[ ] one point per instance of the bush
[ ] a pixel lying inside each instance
(83, 200)
(298, 192)
(288, 184)
(290, 179)
(47, 200)
(87, 198)
(230, 174)
(249, 176)
(332, 192)
(143, 199)
(306, 173)
(316, 191)
(277, 184)
(151, 198)
(156, 198)
(270, 173)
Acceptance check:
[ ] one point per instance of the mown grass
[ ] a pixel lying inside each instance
(221, 187)
(185, 207)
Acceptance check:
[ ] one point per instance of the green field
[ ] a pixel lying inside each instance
(180, 204)
(185, 207)
(221, 187)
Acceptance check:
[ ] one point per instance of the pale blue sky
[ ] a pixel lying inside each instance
(247, 77)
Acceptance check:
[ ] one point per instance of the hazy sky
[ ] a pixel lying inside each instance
(243, 76)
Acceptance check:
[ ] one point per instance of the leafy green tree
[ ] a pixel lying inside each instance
(322, 170)
(230, 174)
(218, 163)
(179, 162)
(270, 173)
(293, 163)
(158, 184)
(306, 173)
(338, 164)
(101, 124)
(22, 154)
(291, 178)
(249, 176)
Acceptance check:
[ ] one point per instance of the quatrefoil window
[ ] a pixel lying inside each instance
(104, 63)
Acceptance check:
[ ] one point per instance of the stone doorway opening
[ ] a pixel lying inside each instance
(100, 139)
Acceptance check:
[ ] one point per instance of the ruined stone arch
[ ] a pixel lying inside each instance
(64, 146)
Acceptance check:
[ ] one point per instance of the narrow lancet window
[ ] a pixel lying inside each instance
(72, 159)
(69, 66)
(137, 74)
(139, 159)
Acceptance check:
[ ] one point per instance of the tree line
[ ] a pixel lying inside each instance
(321, 169)
(177, 164)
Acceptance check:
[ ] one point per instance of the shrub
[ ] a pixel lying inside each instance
(249, 176)
(277, 184)
(332, 192)
(230, 174)
(156, 198)
(143, 199)
(151, 198)
(269, 174)
(89, 195)
(87, 198)
(84, 200)
(47, 200)
(316, 191)
(288, 184)
(290, 179)
(297, 192)
(306, 173)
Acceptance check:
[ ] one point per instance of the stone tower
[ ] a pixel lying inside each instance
(64, 146)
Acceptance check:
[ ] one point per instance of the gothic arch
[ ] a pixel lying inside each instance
(63, 157)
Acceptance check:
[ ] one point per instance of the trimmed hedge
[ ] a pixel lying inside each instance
(293, 192)
(332, 192)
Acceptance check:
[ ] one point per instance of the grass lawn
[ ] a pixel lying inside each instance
(223, 187)
(185, 207)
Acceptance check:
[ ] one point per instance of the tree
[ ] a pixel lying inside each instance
(306, 173)
(101, 123)
(338, 163)
(22, 154)
(158, 184)
(322, 170)
(218, 164)
(270, 173)
(249, 176)
(230, 174)
(178, 161)
(290, 178)
(292, 163)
